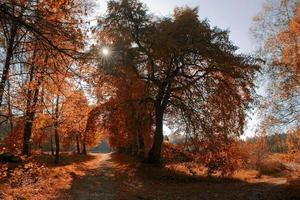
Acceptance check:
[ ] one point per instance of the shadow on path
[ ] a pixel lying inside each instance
(119, 177)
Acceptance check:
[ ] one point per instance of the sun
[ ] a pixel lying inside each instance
(105, 51)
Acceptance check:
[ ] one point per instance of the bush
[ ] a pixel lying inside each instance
(222, 157)
(173, 153)
(254, 152)
(271, 167)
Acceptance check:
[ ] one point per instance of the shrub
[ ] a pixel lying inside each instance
(271, 167)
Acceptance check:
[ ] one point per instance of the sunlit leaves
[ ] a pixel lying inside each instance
(278, 29)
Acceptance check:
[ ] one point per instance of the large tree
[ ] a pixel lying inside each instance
(194, 77)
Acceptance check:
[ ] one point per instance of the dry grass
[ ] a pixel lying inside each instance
(272, 167)
(275, 170)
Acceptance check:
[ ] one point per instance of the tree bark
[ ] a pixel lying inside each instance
(51, 146)
(10, 115)
(84, 148)
(78, 144)
(141, 147)
(154, 155)
(57, 149)
(31, 109)
(29, 116)
(28, 125)
(56, 134)
(9, 55)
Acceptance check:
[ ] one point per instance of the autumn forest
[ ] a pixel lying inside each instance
(131, 104)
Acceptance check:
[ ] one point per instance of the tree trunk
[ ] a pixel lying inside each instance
(27, 135)
(56, 134)
(28, 125)
(141, 147)
(155, 152)
(10, 115)
(31, 108)
(78, 144)
(84, 148)
(29, 115)
(57, 149)
(9, 55)
(51, 146)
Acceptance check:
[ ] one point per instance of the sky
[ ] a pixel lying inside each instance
(235, 15)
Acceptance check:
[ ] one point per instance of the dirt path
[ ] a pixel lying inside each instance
(120, 178)
(95, 185)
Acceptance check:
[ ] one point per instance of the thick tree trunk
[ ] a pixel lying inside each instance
(78, 144)
(27, 135)
(31, 108)
(29, 115)
(155, 152)
(141, 147)
(9, 55)
(28, 125)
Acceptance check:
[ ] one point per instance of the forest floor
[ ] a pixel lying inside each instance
(118, 177)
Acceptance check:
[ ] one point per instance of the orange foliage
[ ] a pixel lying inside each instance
(293, 144)
(14, 140)
(125, 118)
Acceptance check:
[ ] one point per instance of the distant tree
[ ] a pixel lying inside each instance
(276, 143)
(298, 137)
(292, 142)
(256, 151)
(75, 115)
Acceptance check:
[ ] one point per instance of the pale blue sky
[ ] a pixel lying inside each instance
(233, 14)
